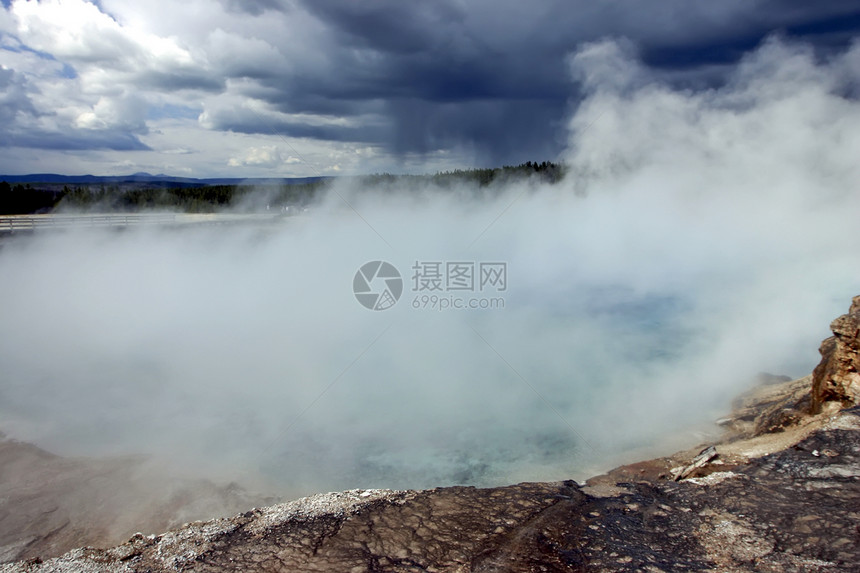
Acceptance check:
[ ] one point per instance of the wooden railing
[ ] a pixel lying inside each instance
(12, 223)
(31, 222)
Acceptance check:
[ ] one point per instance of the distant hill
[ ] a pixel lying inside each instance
(45, 192)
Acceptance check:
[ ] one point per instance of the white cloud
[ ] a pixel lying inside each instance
(92, 82)
(77, 31)
(267, 157)
(241, 56)
(127, 112)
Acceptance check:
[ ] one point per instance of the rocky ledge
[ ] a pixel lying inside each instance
(780, 492)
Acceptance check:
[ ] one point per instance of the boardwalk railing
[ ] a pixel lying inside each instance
(12, 223)
(31, 222)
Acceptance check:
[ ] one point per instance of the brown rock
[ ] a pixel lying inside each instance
(768, 409)
(837, 376)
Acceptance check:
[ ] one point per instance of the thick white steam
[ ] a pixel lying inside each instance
(699, 239)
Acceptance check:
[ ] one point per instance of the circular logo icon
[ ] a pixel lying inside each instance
(377, 285)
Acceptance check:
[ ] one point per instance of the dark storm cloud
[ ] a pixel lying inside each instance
(13, 96)
(253, 7)
(73, 140)
(506, 127)
(493, 77)
(243, 120)
(171, 80)
(390, 26)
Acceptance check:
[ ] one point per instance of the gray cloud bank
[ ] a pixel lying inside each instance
(486, 82)
(700, 237)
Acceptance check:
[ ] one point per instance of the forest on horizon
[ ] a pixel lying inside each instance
(125, 197)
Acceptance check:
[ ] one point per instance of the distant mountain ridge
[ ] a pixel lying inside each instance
(149, 178)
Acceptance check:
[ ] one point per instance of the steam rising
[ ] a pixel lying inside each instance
(700, 238)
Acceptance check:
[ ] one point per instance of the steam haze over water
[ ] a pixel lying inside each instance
(699, 238)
